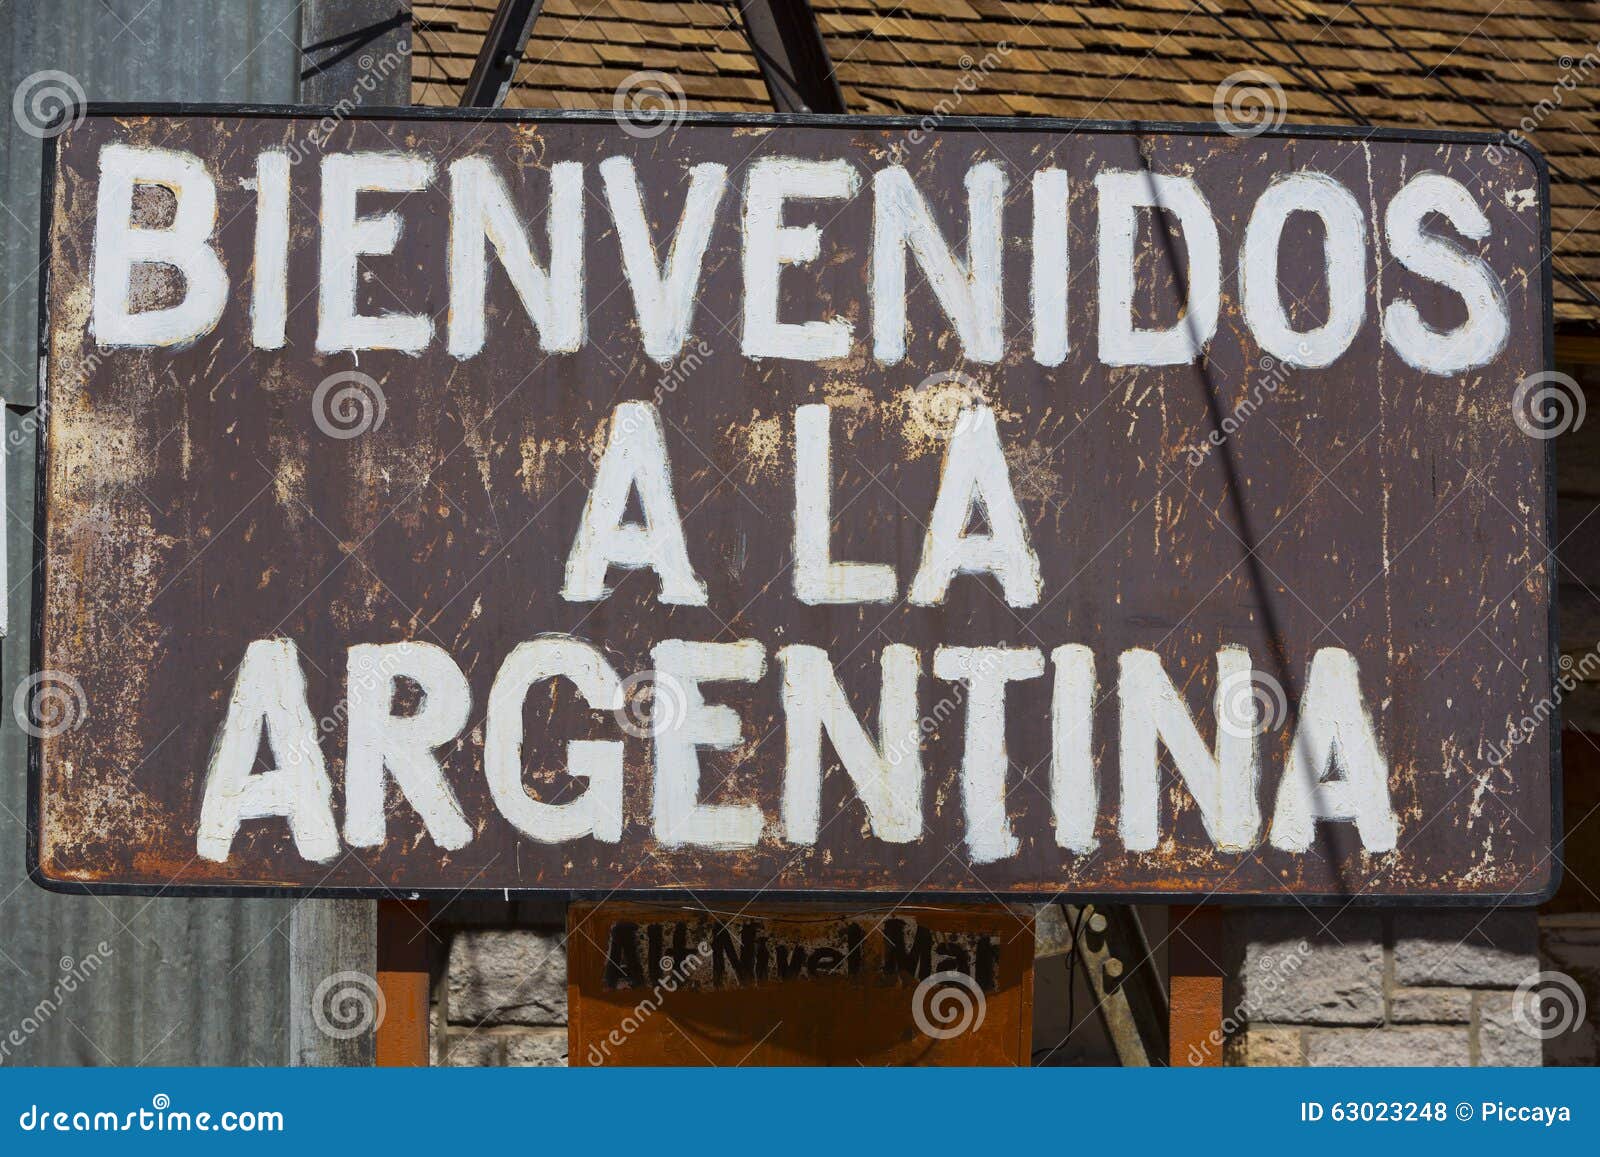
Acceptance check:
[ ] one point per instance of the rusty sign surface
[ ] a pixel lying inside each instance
(792, 984)
(793, 505)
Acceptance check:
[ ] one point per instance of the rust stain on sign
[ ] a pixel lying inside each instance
(839, 508)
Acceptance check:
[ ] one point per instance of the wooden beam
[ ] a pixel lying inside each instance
(1194, 986)
(792, 56)
(1578, 348)
(403, 938)
(357, 51)
(332, 944)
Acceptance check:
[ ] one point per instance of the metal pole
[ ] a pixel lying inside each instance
(357, 50)
(793, 57)
(501, 52)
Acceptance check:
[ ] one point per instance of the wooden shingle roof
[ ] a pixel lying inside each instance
(1482, 65)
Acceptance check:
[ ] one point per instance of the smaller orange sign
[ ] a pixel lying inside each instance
(800, 984)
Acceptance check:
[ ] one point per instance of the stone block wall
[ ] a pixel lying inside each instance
(500, 984)
(1570, 944)
(1305, 987)
(1361, 987)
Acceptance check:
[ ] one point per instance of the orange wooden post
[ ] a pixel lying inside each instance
(1194, 986)
(402, 1035)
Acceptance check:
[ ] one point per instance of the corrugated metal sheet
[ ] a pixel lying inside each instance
(99, 980)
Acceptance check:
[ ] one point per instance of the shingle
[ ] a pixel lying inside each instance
(1482, 65)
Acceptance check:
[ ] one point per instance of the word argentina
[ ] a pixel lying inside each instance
(545, 260)
(1335, 769)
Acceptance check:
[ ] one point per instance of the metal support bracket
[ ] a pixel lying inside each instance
(1109, 944)
(792, 56)
(503, 46)
(783, 34)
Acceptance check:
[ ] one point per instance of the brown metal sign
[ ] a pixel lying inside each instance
(786, 506)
